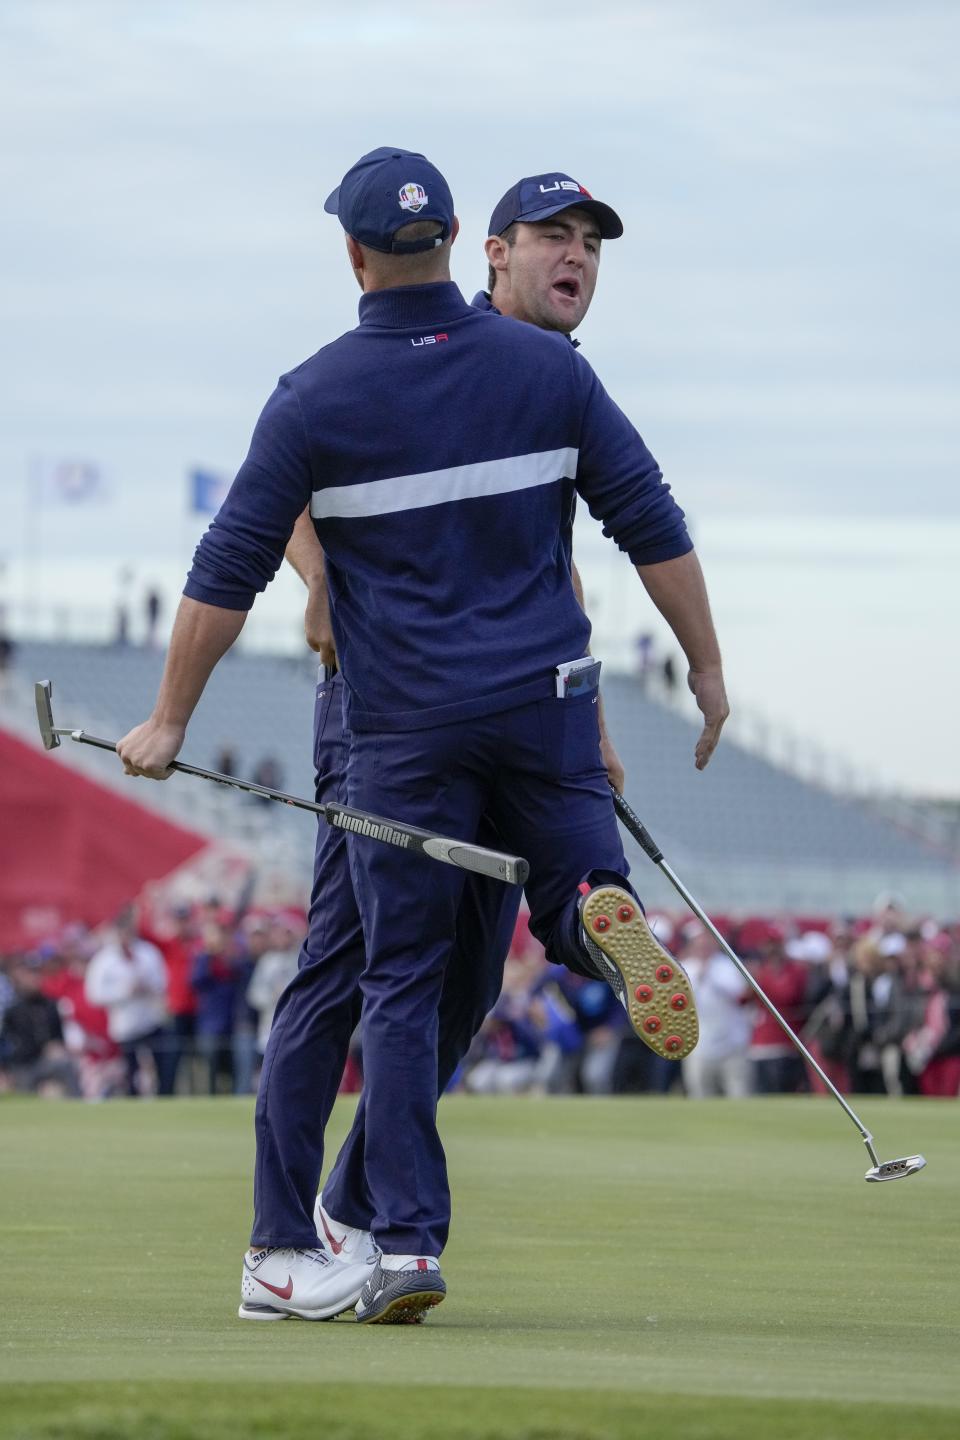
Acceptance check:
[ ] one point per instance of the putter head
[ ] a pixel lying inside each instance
(895, 1169)
(43, 693)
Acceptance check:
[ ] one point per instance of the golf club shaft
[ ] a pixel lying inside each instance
(631, 821)
(83, 738)
(510, 869)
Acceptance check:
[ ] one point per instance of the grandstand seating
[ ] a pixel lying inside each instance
(751, 835)
(743, 834)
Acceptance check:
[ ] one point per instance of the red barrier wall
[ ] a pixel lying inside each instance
(71, 849)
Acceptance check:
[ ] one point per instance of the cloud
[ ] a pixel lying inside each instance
(778, 318)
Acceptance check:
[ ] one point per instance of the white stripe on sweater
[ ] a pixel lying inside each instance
(438, 487)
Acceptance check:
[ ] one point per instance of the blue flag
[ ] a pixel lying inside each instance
(208, 490)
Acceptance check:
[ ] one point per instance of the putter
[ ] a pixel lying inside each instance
(511, 869)
(879, 1170)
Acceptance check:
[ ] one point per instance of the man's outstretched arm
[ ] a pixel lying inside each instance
(201, 635)
(678, 590)
(305, 554)
(622, 484)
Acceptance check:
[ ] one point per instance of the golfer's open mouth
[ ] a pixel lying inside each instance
(568, 287)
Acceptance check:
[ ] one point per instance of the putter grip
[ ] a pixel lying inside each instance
(637, 829)
(511, 869)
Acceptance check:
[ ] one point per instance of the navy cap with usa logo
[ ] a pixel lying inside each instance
(387, 189)
(537, 197)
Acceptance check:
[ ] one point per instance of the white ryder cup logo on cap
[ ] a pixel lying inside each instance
(413, 196)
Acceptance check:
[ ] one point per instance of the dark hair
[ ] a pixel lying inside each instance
(418, 230)
(510, 236)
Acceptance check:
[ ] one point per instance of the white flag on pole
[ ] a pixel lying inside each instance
(68, 482)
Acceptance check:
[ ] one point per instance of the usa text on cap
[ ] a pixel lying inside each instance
(537, 197)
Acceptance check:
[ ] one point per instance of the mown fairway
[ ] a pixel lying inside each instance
(618, 1268)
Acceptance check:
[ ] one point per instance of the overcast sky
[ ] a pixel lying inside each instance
(779, 319)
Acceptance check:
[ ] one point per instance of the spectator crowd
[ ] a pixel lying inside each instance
(876, 1000)
(165, 1000)
(179, 999)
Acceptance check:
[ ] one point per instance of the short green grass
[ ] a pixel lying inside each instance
(617, 1268)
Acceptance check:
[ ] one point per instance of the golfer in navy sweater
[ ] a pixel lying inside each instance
(546, 270)
(440, 450)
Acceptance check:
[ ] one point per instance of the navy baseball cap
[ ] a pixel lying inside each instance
(537, 197)
(388, 189)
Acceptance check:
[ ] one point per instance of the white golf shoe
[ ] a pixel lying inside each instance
(277, 1284)
(349, 1245)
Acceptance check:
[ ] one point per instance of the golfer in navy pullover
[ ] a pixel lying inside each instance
(440, 450)
(565, 249)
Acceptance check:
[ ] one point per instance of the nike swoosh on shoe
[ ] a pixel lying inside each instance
(284, 1291)
(335, 1245)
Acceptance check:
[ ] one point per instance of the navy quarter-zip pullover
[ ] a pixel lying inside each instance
(441, 450)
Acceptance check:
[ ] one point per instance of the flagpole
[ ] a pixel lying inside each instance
(31, 530)
(186, 514)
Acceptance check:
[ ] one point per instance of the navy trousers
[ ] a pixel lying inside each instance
(317, 1014)
(536, 771)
